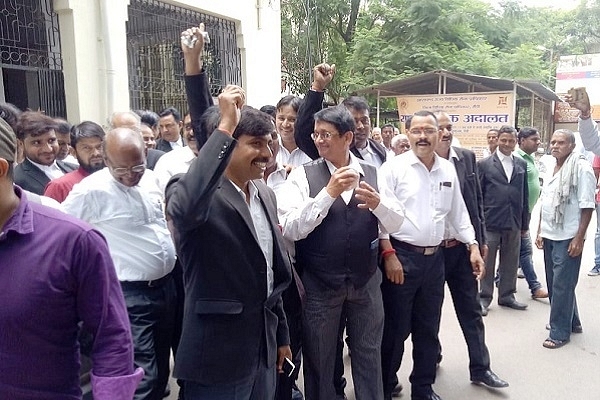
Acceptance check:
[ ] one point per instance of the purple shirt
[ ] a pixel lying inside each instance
(54, 272)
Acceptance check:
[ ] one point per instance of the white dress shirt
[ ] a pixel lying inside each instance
(177, 144)
(294, 158)
(52, 171)
(507, 164)
(277, 178)
(430, 199)
(261, 227)
(583, 197)
(131, 219)
(300, 214)
(370, 156)
(174, 162)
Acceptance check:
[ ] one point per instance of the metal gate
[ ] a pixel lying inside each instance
(155, 59)
(30, 59)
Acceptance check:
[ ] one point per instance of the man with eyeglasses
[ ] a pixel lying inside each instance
(363, 147)
(332, 209)
(462, 280)
(427, 187)
(124, 202)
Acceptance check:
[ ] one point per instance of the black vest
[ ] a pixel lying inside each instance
(345, 245)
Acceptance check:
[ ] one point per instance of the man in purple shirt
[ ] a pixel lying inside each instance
(56, 271)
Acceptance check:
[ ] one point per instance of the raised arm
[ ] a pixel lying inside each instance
(313, 102)
(196, 84)
(189, 196)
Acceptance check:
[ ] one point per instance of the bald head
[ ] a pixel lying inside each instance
(125, 119)
(125, 156)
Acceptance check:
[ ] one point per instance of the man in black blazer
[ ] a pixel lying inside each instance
(235, 334)
(363, 147)
(459, 274)
(37, 134)
(506, 209)
(170, 125)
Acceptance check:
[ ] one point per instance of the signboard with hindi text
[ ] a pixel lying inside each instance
(472, 114)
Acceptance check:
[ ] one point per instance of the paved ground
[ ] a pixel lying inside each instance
(515, 342)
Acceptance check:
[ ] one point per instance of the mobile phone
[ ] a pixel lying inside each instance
(577, 94)
(288, 367)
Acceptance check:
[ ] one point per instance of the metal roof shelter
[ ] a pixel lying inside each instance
(446, 82)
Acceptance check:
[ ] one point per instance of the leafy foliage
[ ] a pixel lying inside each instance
(374, 41)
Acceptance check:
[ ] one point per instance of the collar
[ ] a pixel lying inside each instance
(523, 154)
(252, 190)
(51, 167)
(413, 159)
(502, 157)
(453, 153)
(21, 222)
(354, 164)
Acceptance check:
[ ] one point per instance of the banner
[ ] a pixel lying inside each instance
(472, 114)
(576, 71)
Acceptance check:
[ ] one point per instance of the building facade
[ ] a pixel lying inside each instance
(84, 59)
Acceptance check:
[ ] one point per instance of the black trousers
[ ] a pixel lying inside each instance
(151, 313)
(465, 296)
(413, 308)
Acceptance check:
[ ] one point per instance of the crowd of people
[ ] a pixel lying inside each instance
(249, 243)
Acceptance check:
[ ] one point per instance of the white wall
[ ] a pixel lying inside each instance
(95, 88)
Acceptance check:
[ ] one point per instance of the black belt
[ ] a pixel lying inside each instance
(449, 243)
(146, 284)
(426, 251)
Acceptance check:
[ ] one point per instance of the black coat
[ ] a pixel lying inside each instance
(468, 176)
(229, 323)
(505, 204)
(33, 179)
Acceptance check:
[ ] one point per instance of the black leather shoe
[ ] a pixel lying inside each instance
(515, 305)
(484, 310)
(490, 380)
(431, 396)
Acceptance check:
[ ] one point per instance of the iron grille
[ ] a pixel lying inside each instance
(155, 59)
(30, 55)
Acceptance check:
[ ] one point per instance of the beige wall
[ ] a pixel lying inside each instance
(95, 57)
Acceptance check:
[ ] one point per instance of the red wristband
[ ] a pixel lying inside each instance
(387, 252)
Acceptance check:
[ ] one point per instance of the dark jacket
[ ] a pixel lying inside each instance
(229, 323)
(33, 179)
(505, 204)
(468, 176)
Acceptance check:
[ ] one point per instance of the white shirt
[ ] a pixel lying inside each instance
(370, 156)
(131, 219)
(70, 159)
(177, 144)
(277, 178)
(582, 198)
(174, 162)
(261, 227)
(430, 199)
(294, 158)
(507, 164)
(300, 214)
(52, 171)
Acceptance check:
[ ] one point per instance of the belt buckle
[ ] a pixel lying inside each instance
(429, 251)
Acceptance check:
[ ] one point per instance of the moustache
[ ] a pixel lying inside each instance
(423, 141)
